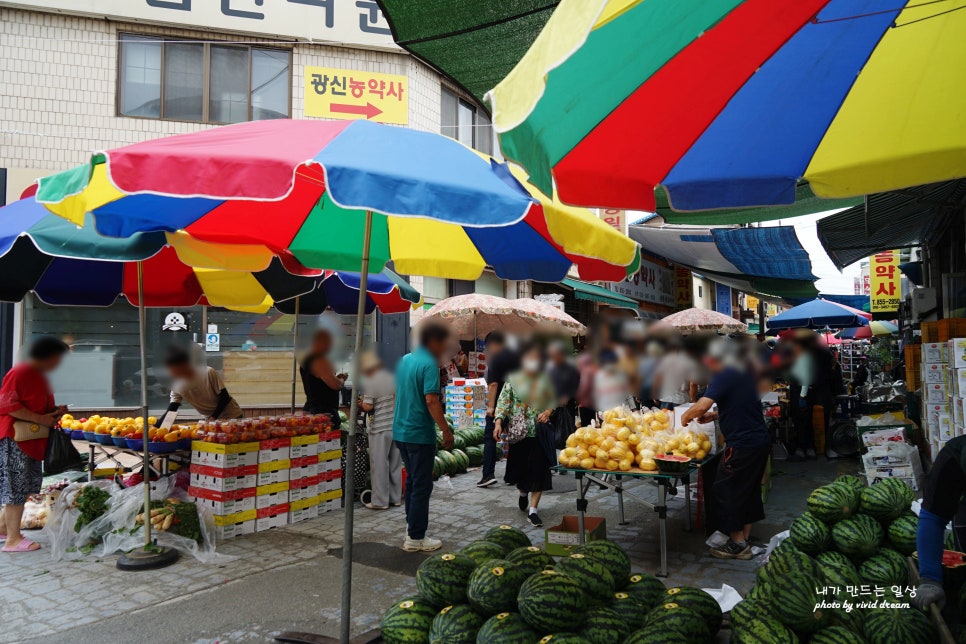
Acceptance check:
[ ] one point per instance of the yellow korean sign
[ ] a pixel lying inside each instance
(348, 94)
(884, 278)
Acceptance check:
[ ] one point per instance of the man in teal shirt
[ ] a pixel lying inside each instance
(418, 411)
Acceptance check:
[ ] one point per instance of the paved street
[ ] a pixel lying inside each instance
(289, 578)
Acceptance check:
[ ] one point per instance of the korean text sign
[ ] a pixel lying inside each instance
(348, 94)
(683, 288)
(884, 280)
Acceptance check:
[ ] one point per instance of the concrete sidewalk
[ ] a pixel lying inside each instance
(289, 578)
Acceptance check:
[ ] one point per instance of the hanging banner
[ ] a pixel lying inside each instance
(722, 298)
(683, 288)
(615, 218)
(653, 283)
(884, 278)
(348, 94)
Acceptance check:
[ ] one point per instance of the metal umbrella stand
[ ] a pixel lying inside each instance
(151, 556)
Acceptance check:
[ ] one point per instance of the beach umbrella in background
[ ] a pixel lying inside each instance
(876, 328)
(335, 195)
(727, 104)
(695, 320)
(819, 314)
(475, 315)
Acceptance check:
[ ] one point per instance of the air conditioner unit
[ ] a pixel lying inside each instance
(923, 303)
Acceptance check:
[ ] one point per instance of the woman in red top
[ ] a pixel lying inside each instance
(25, 395)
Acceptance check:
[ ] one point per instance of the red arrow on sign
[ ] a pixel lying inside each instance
(368, 110)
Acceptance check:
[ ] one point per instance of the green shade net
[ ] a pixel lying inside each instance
(474, 43)
(806, 203)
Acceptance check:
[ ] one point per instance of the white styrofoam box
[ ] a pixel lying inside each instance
(947, 429)
(933, 352)
(934, 373)
(268, 500)
(932, 410)
(956, 352)
(310, 512)
(304, 492)
(223, 483)
(232, 530)
(935, 392)
(895, 453)
(267, 523)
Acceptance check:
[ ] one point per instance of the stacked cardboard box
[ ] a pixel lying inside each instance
(225, 478)
(466, 402)
(943, 372)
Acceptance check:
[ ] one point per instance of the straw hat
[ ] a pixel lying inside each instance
(369, 361)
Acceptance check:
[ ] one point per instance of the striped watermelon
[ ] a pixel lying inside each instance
(674, 618)
(838, 576)
(604, 626)
(630, 609)
(612, 556)
(885, 568)
(794, 593)
(456, 625)
(789, 560)
(482, 551)
(507, 537)
(836, 559)
(902, 533)
(508, 628)
(438, 468)
(810, 534)
(647, 589)
(895, 625)
(531, 559)
(857, 537)
(475, 455)
(883, 501)
(831, 503)
(746, 610)
(836, 635)
(564, 638)
(493, 587)
(657, 635)
(850, 480)
(442, 578)
(552, 602)
(763, 630)
(698, 601)
(462, 460)
(759, 593)
(408, 621)
(591, 574)
(901, 489)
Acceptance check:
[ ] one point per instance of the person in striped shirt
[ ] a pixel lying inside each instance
(385, 462)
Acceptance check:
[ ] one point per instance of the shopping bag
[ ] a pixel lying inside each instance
(563, 426)
(61, 454)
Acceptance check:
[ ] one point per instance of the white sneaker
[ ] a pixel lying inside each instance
(421, 545)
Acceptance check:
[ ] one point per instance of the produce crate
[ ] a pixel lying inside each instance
(563, 538)
(218, 455)
(271, 517)
(303, 446)
(275, 449)
(273, 472)
(949, 328)
(223, 479)
(224, 503)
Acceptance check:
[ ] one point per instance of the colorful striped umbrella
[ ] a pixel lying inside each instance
(876, 328)
(251, 191)
(727, 103)
(66, 265)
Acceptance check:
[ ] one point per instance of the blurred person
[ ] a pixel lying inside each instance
(528, 395)
(586, 408)
(611, 386)
(861, 375)
(647, 371)
(385, 463)
(322, 385)
(675, 376)
(737, 485)
(565, 378)
(419, 410)
(201, 387)
(501, 361)
(25, 395)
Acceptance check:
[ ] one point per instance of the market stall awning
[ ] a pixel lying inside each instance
(474, 43)
(594, 293)
(806, 203)
(890, 220)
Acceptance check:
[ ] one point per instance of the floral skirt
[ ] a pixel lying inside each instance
(20, 475)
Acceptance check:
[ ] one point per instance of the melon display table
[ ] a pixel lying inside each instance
(621, 482)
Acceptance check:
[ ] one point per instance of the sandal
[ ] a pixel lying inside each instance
(25, 545)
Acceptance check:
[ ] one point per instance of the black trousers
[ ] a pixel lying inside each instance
(737, 487)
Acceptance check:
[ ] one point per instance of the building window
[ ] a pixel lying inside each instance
(205, 82)
(465, 122)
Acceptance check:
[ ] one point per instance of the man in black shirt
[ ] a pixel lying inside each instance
(501, 362)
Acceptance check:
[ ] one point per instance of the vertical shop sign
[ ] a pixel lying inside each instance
(884, 281)
(722, 298)
(683, 288)
(615, 218)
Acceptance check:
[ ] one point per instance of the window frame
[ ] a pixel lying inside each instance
(475, 126)
(206, 75)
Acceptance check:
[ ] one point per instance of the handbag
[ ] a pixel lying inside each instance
(61, 455)
(24, 430)
(517, 429)
(563, 426)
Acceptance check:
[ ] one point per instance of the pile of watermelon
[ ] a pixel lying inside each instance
(467, 452)
(503, 589)
(852, 535)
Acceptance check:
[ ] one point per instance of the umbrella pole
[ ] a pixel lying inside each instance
(295, 341)
(350, 444)
(150, 556)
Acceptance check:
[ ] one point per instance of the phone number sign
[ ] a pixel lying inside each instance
(353, 95)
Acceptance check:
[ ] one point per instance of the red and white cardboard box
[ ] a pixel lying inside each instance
(263, 501)
(275, 449)
(225, 456)
(272, 472)
(304, 488)
(303, 446)
(224, 503)
(223, 479)
(271, 517)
